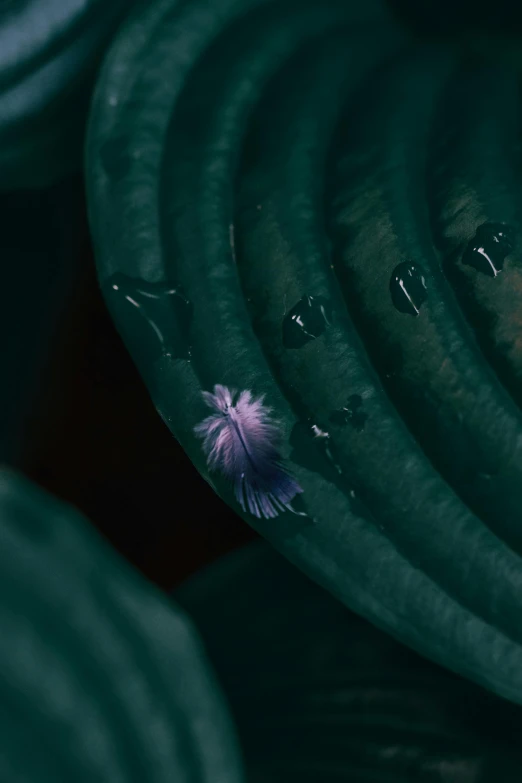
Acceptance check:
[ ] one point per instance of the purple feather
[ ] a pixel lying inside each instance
(240, 439)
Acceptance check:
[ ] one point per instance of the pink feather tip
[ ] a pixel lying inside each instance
(240, 439)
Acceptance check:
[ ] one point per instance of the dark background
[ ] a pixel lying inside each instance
(91, 435)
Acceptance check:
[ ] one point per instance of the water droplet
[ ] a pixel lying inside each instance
(305, 321)
(408, 288)
(312, 448)
(324, 442)
(488, 249)
(156, 316)
(115, 158)
(352, 413)
(317, 432)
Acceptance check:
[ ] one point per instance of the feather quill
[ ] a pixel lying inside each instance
(240, 440)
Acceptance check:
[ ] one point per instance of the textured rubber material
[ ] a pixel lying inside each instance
(273, 204)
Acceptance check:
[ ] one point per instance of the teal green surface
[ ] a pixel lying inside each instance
(101, 677)
(50, 51)
(251, 155)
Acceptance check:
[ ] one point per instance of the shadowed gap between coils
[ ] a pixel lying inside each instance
(426, 356)
(474, 196)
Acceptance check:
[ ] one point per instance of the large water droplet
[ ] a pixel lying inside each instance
(305, 321)
(488, 249)
(312, 448)
(408, 288)
(352, 413)
(155, 316)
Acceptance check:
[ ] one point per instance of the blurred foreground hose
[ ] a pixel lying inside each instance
(101, 678)
(49, 54)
